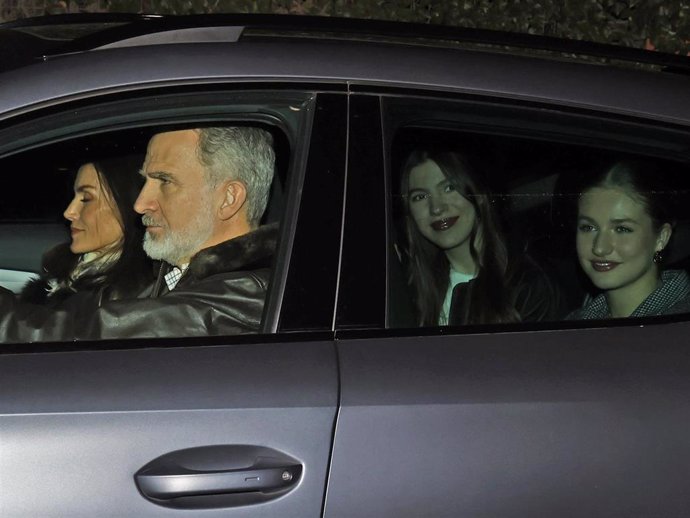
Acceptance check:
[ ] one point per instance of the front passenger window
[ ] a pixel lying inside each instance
(162, 231)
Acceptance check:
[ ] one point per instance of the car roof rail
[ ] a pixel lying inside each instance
(117, 28)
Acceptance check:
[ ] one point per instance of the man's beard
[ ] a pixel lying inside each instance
(178, 246)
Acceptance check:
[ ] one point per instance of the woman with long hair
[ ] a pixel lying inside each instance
(459, 263)
(625, 222)
(105, 253)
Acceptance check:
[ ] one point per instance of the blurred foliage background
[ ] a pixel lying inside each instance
(653, 24)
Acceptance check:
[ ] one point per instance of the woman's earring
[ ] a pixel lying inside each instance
(658, 257)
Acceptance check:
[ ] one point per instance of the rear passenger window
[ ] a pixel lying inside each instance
(494, 223)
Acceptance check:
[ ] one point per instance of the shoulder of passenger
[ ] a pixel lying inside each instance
(258, 277)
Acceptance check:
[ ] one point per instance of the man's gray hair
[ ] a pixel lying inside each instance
(241, 153)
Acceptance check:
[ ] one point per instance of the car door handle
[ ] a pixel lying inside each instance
(218, 476)
(188, 483)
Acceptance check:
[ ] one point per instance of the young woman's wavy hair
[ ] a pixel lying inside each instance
(488, 297)
(120, 179)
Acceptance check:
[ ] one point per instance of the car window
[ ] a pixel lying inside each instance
(56, 244)
(497, 221)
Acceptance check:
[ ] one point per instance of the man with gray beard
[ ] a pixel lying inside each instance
(205, 192)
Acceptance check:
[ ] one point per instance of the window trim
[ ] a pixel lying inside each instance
(143, 112)
(539, 116)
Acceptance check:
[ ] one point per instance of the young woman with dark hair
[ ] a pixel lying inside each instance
(625, 223)
(105, 253)
(459, 264)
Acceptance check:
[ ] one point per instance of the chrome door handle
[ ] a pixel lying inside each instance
(166, 486)
(218, 476)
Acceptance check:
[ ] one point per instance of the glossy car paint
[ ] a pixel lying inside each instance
(567, 423)
(97, 72)
(76, 426)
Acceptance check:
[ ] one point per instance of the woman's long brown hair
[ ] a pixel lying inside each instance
(488, 298)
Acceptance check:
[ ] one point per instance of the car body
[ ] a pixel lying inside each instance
(375, 417)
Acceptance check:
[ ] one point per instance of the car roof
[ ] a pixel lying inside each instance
(68, 33)
(86, 54)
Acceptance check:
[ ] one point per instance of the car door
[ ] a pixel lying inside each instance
(552, 418)
(212, 426)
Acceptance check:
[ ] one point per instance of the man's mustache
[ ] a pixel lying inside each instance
(149, 221)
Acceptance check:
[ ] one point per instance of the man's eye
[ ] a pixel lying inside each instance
(620, 229)
(585, 227)
(449, 188)
(163, 178)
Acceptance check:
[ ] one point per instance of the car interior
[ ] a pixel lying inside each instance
(31, 213)
(531, 181)
(533, 184)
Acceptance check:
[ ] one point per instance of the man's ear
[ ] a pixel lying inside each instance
(234, 196)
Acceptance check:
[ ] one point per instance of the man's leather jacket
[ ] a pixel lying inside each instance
(221, 292)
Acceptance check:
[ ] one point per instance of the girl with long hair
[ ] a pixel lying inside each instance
(459, 263)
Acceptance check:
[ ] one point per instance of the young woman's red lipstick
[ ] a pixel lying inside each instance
(603, 266)
(444, 224)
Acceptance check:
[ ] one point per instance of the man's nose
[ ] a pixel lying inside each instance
(145, 202)
(603, 244)
(71, 212)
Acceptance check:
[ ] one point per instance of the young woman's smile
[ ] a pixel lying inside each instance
(444, 224)
(603, 266)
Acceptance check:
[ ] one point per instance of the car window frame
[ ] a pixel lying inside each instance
(132, 110)
(497, 116)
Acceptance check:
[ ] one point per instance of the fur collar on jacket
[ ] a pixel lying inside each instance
(247, 252)
(57, 264)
